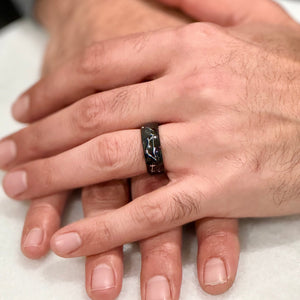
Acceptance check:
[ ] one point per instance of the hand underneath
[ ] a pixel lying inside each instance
(91, 21)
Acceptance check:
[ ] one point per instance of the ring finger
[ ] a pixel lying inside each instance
(111, 156)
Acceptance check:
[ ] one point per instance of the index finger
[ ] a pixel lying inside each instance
(102, 66)
(156, 212)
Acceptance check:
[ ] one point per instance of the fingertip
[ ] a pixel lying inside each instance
(35, 252)
(217, 264)
(34, 245)
(15, 183)
(218, 255)
(102, 284)
(20, 108)
(53, 245)
(104, 274)
(215, 279)
(54, 248)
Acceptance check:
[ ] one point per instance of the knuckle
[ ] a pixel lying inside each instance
(43, 209)
(202, 88)
(93, 58)
(101, 198)
(216, 239)
(190, 86)
(166, 251)
(89, 115)
(151, 213)
(108, 151)
(177, 210)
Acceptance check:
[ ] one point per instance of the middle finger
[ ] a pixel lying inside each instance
(122, 108)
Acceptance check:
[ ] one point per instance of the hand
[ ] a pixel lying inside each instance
(215, 236)
(230, 94)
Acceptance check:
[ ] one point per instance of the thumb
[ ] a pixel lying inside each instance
(232, 12)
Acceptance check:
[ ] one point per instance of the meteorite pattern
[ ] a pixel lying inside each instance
(152, 148)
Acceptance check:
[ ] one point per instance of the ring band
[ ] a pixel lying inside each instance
(152, 148)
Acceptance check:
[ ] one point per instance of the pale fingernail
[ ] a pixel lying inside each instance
(34, 238)
(8, 152)
(103, 278)
(67, 243)
(20, 107)
(15, 183)
(158, 289)
(215, 272)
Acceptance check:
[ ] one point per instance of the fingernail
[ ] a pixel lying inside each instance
(15, 183)
(20, 107)
(67, 243)
(34, 238)
(215, 272)
(158, 289)
(8, 152)
(103, 278)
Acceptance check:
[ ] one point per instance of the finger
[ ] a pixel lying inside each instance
(232, 12)
(104, 272)
(110, 111)
(101, 67)
(161, 266)
(42, 221)
(110, 156)
(218, 254)
(161, 255)
(159, 211)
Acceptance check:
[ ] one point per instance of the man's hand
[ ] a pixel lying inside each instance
(88, 22)
(230, 148)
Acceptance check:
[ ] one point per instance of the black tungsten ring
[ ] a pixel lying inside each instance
(152, 148)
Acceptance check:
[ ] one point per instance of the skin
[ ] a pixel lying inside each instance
(160, 254)
(261, 174)
(246, 89)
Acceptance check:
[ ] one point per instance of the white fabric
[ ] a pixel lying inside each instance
(270, 248)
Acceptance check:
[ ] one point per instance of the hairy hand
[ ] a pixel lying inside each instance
(89, 22)
(228, 104)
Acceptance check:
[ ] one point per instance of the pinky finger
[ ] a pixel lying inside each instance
(42, 221)
(218, 254)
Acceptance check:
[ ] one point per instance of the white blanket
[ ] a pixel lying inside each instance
(270, 248)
